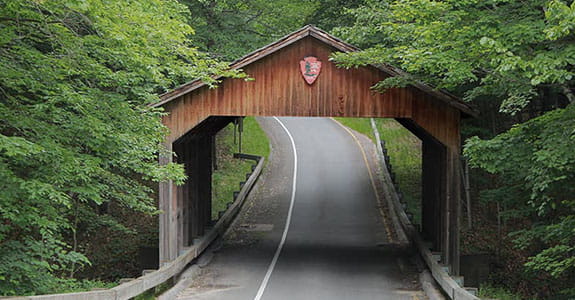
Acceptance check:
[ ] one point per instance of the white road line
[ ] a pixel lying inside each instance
(288, 219)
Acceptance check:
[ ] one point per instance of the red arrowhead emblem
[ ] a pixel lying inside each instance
(310, 68)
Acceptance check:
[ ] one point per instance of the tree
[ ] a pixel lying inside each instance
(232, 28)
(500, 48)
(535, 162)
(329, 14)
(75, 128)
(513, 53)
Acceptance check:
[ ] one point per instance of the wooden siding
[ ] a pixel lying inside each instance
(278, 89)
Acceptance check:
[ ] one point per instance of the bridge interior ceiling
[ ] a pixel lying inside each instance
(278, 89)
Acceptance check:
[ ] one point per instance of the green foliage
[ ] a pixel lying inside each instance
(232, 171)
(361, 125)
(328, 14)
(75, 129)
(536, 162)
(491, 292)
(404, 151)
(505, 49)
(230, 29)
(254, 139)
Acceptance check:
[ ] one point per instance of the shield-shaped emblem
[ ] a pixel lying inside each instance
(310, 68)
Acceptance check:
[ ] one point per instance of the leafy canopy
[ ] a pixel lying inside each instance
(498, 48)
(536, 164)
(75, 128)
(229, 29)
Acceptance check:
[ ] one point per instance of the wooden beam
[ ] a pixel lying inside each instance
(208, 127)
(446, 212)
(454, 211)
(180, 151)
(186, 200)
(166, 238)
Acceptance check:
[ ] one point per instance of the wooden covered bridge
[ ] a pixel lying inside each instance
(196, 113)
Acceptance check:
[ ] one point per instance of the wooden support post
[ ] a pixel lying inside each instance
(167, 234)
(446, 212)
(454, 210)
(441, 192)
(186, 239)
(185, 155)
(240, 131)
(180, 151)
(444, 215)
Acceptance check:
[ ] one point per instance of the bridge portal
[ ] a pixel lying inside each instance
(295, 77)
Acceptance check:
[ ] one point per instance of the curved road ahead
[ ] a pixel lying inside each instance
(336, 244)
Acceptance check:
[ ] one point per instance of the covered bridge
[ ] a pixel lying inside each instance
(196, 112)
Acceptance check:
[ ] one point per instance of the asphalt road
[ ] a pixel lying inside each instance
(336, 244)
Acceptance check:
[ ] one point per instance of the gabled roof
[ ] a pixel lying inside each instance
(310, 30)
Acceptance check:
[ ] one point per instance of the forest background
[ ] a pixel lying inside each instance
(78, 143)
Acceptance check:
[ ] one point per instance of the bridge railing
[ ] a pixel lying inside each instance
(153, 279)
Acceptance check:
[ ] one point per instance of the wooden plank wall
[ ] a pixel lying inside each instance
(280, 90)
(441, 183)
(193, 209)
(433, 178)
(187, 208)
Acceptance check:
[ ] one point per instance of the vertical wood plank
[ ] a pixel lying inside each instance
(164, 206)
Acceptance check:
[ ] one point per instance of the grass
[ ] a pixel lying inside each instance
(231, 171)
(254, 139)
(361, 125)
(404, 150)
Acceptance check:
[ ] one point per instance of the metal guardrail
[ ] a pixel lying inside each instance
(449, 286)
(151, 280)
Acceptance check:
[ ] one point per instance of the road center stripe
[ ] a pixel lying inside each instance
(372, 180)
(288, 218)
